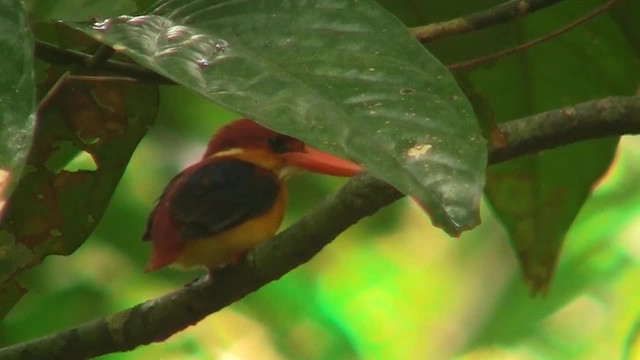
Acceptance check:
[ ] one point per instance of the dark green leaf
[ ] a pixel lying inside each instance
(17, 94)
(625, 14)
(343, 76)
(17, 118)
(539, 196)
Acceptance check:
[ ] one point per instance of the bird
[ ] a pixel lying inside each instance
(215, 211)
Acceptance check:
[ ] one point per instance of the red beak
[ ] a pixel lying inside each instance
(320, 162)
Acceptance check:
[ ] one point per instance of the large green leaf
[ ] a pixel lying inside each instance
(344, 76)
(17, 94)
(17, 117)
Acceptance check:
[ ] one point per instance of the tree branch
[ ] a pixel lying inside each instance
(496, 15)
(156, 320)
(611, 116)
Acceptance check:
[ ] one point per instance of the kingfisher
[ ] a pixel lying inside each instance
(216, 210)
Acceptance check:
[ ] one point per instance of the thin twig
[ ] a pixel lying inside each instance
(464, 65)
(158, 319)
(101, 78)
(496, 15)
(53, 91)
(66, 57)
(100, 57)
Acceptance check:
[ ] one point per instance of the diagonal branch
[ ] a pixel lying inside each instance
(157, 319)
(86, 62)
(496, 15)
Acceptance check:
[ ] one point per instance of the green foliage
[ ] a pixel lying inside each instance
(538, 197)
(392, 287)
(17, 119)
(550, 188)
(17, 95)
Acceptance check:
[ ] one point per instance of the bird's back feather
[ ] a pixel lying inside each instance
(207, 203)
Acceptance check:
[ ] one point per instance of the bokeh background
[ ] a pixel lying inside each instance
(391, 287)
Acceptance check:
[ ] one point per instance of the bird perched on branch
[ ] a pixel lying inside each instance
(215, 211)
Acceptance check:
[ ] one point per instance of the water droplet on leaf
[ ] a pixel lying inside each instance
(102, 25)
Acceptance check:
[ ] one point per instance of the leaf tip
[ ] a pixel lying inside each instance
(537, 273)
(454, 220)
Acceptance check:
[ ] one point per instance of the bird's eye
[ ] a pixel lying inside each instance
(278, 144)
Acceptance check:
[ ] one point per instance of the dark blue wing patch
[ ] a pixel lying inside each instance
(221, 195)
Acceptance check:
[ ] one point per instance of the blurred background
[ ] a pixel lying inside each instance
(391, 287)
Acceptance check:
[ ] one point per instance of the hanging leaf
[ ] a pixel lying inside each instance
(538, 197)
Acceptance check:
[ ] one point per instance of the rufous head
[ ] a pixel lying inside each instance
(246, 135)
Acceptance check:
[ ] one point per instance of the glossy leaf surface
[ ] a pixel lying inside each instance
(340, 75)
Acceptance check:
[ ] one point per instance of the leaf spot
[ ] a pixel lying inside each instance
(418, 150)
(407, 91)
(55, 233)
(119, 47)
(222, 45)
